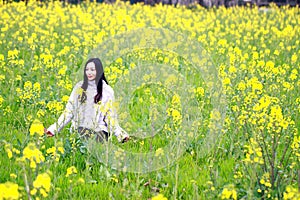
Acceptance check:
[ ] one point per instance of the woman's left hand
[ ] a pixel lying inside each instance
(126, 139)
(48, 133)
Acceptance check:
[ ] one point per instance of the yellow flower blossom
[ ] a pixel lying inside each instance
(12, 175)
(1, 101)
(33, 154)
(199, 91)
(8, 149)
(55, 106)
(159, 152)
(36, 128)
(40, 113)
(9, 190)
(55, 151)
(81, 180)
(159, 197)
(294, 58)
(65, 98)
(253, 152)
(71, 170)
(291, 193)
(43, 184)
(229, 192)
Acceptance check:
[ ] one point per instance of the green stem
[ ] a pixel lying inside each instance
(27, 188)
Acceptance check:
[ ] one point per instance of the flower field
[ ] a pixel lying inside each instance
(255, 53)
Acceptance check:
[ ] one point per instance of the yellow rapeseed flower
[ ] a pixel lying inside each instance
(33, 154)
(159, 197)
(291, 193)
(8, 149)
(1, 101)
(36, 128)
(12, 175)
(159, 152)
(229, 192)
(71, 170)
(9, 190)
(42, 183)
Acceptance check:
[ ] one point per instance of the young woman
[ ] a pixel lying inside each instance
(90, 107)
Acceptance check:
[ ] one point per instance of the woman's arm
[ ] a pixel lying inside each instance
(67, 115)
(112, 119)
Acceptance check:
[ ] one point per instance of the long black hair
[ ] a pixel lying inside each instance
(99, 77)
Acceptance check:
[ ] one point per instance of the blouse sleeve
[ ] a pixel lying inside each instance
(112, 118)
(67, 114)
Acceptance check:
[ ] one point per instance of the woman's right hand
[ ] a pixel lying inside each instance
(48, 133)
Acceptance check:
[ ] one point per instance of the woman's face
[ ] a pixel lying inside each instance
(90, 71)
